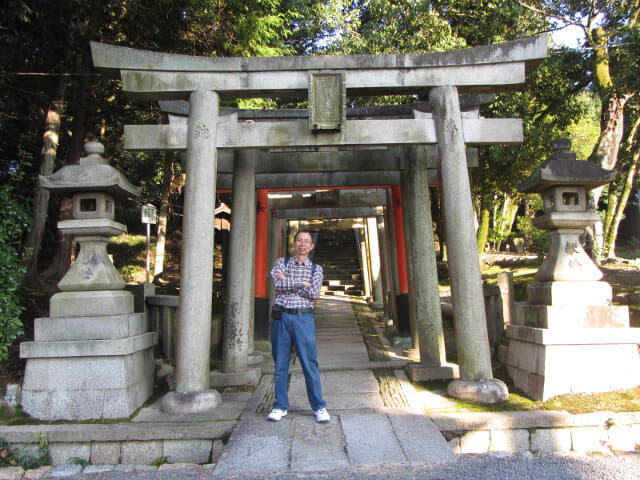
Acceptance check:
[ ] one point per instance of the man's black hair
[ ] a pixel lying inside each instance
(303, 231)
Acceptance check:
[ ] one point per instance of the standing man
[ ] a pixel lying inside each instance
(297, 282)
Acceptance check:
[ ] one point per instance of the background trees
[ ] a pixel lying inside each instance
(51, 100)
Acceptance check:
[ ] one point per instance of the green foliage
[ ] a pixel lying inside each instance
(8, 457)
(403, 26)
(158, 462)
(13, 221)
(535, 240)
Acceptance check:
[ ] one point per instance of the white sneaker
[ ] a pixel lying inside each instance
(322, 416)
(276, 415)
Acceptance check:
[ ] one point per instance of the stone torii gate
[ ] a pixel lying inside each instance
(327, 80)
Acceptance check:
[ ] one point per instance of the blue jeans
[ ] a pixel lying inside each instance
(300, 331)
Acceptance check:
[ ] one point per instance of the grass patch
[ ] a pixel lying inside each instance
(575, 403)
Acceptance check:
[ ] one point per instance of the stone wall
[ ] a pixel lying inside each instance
(540, 432)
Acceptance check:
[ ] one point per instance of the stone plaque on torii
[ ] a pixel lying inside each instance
(442, 76)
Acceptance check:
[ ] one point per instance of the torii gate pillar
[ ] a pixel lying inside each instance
(476, 378)
(193, 393)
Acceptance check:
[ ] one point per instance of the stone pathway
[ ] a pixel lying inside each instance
(362, 430)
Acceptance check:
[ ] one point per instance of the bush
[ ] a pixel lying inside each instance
(13, 221)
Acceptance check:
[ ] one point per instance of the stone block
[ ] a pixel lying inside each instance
(187, 451)
(370, 440)
(80, 388)
(91, 304)
(37, 473)
(510, 441)
(475, 442)
(105, 453)
(61, 453)
(621, 438)
(11, 473)
(550, 440)
(432, 447)
(454, 444)
(91, 469)
(569, 293)
(251, 377)
(425, 373)
(64, 471)
(571, 316)
(88, 348)
(216, 450)
(106, 327)
(141, 453)
(590, 439)
(312, 442)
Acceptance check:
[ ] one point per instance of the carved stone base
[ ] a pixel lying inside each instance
(185, 403)
(483, 391)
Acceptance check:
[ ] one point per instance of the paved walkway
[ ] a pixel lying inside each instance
(363, 430)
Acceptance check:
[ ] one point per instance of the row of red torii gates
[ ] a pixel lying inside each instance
(327, 145)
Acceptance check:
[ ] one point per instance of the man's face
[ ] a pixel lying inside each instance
(303, 243)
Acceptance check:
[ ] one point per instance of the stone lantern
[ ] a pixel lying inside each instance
(568, 337)
(92, 358)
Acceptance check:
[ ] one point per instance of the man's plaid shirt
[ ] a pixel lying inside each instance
(290, 292)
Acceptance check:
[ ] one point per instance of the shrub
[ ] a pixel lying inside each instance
(13, 221)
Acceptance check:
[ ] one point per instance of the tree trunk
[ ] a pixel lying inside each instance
(483, 226)
(634, 151)
(612, 201)
(622, 204)
(50, 141)
(64, 246)
(162, 217)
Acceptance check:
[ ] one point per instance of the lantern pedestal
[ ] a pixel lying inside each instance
(92, 358)
(568, 337)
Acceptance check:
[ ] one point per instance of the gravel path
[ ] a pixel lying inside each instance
(481, 467)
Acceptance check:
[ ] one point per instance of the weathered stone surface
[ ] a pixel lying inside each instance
(543, 363)
(118, 432)
(317, 446)
(221, 379)
(140, 453)
(92, 270)
(475, 442)
(509, 440)
(62, 452)
(37, 473)
(425, 372)
(569, 293)
(11, 473)
(474, 357)
(485, 391)
(551, 440)
(189, 403)
(256, 447)
(621, 438)
(192, 391)
(572, 316)
(89, 469)
(370, 440)
(62, 471)
(420, 440)
(105, 453)
(88, 348)
(236, 341)
(187, 451)
(82, 328)
(91, 304)
(589, 439)
(77, 388)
